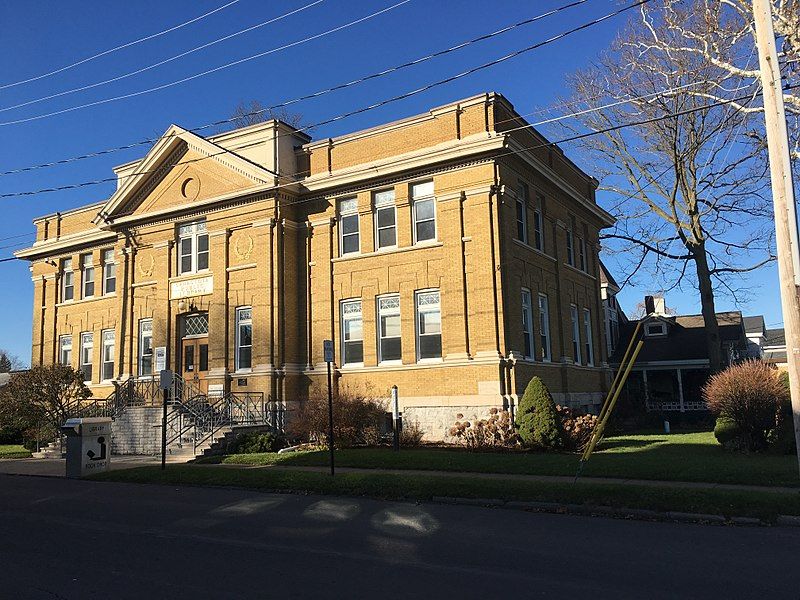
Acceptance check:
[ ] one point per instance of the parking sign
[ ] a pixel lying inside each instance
(327, 346)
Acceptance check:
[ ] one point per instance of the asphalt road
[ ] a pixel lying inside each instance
(82, 540)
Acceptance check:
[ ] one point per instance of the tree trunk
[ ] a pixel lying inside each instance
(707, 307)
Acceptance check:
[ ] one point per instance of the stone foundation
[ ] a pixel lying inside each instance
(435, 421)
(137, 431)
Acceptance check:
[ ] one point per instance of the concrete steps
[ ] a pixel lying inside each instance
(52, 450)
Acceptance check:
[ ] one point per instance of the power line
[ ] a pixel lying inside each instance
(120, 47)
(203, 73)
(161, 62)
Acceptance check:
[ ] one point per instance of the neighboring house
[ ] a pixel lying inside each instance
(774, 348)
(613, 315)
(673, 365)
(453, 254)
(755, 330)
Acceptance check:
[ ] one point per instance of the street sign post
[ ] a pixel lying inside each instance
(165, 380)
(327, 347)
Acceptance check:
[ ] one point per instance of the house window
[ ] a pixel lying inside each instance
(67, 280)
(655, 329)
(65, 350)
(349, 238)
(582, 254)
(429, 325)
(424, 208)
(522, 213)
(385, 219)
(107, 367)
(576, 335)
(538, 231)
(87, 278)
(570, 248)
(587, 330)
(145, 347)
(244, 337)
(87, 346)
(527, 323)
(192, 248)
(544, 327)
(109, 272)
(352, 333)
(389, 344)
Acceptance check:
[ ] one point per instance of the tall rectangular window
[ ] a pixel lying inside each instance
(538, 224)
(352, 332)
(429, 324)
(109, 272)
(87, 277)
(244, 337)
(107, 366)
(544, 327)
(587, 331)
(67, 280)
(145, 347)
(570, 248)
(522, 213)
(424, 209)
(65, 350)
(576, 334)
(389, 344)
(192, 247)
(87, 348)
(582, 254)
(385, 220)
(527, 323)
(349, 238)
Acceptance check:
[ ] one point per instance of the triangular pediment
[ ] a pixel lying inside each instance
(182, 169)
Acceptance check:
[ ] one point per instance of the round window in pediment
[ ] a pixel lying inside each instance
(190, 188)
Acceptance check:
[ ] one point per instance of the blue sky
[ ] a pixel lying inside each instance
(39, 36)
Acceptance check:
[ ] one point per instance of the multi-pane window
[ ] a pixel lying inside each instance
(352, 332)
(87, 277)
(107, 366)
(389, 345)
(65, 350)
(87, 348)
(385, 219)
(538, 225)
(349, 238)
(424, 209)
(429, 325)
(544, 327)
(244, 337)
(67, 280)
(587, 343)
(145, 347)
(109, 272)
(527, 323)
(192, 247)
(522, 213)
(576, 334)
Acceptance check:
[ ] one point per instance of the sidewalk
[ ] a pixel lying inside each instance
(56, 467)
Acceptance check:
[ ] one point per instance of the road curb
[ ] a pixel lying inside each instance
(789, 521)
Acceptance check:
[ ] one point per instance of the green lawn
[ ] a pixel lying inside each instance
(13, 451)
(674, 457)
(764, 505)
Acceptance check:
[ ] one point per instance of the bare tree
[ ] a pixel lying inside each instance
(10, 362)
(685, 181)
(250, 113)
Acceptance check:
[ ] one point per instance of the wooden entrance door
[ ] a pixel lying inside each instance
(194, 361)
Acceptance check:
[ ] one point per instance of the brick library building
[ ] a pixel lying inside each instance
(453, 254)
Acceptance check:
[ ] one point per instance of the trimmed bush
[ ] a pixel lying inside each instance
(256, 443)
(538, 422)
(727, 432)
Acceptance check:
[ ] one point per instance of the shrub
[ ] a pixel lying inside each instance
(578, 427)
(726, 430)
(496, 431)
(357, 418)
(749, 394)
(538, 422)
(782, 439)
(411, 434)
(257, 442)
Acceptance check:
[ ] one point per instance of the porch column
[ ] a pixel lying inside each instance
(646, 390)
(680, 390)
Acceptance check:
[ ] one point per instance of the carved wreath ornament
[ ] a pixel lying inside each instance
(243, 250)
(147, 271)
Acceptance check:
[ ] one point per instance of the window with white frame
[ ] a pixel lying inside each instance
(67, 280)
(109, 272)
(192, 247)
(424, 209)
(145, 347)
(349, 237)
(570, 246)
(65, 350)
(527, 323)
(389, 334)
(385, 220)
(244, 337)
(588, 347)
(107, 366)
(576, 334)
(87, 349)
(544, 327)
(522, 213)
(655, 328)
(582, 255)
(429, 324)
(538, 224)
(87, 276)
(352, 332)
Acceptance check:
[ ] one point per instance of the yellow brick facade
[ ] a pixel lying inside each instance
(270, 201)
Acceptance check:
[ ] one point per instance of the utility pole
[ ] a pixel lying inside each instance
(780, 168)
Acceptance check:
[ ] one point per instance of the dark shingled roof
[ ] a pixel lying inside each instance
(754, 324)
(606, 277)
(775, 337)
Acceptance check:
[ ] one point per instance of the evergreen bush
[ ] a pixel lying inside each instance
(537, 420)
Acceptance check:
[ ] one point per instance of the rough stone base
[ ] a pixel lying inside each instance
(137, 431)
(588, 402)
(435, 421)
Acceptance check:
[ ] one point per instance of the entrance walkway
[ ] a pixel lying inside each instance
(56, 467)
